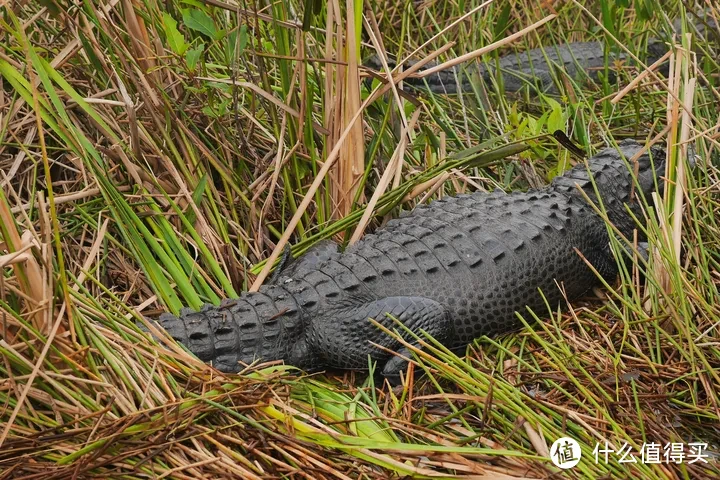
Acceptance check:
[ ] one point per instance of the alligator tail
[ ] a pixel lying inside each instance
(259, 326)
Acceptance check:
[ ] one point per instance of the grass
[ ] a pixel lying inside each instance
(157, 155)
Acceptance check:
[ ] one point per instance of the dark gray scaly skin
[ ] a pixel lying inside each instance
(458, 269)
(537, 67)
(576, 60)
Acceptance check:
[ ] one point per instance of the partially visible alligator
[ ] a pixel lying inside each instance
(458, 269)
(537, 67)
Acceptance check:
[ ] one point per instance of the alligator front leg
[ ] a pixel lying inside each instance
(346, 337)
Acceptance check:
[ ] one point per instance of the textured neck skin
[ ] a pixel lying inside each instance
(615, 184)
(458, 268)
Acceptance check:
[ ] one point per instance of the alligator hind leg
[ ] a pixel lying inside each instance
(316, 255)
(282, 265)
(346, 337)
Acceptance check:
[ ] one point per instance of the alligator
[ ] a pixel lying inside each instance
(536, 68)
(457, 269)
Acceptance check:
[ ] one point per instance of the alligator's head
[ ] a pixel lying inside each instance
(614, 183)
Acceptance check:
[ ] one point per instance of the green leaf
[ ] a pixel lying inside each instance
(308, 14)
(243, 39)
(555, 120)
(201, 22)
(194, 3)
(522, 127)
(608, 16)
(513, 117)
(502, 22)
(236, 42)
(197, 198)
(193, 55)
(175, 39)
(217, 111)
(541, 123)
(52, 7)
(644, 9)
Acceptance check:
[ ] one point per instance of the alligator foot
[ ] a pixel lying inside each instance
(347, 337)
(396, 365)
